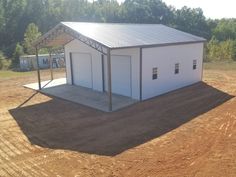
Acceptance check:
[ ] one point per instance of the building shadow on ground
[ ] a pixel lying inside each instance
(60, 124)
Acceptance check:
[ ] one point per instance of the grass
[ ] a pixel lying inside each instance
(10, 74)
(220, 65)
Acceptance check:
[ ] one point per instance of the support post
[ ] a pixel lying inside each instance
(50, 60)
(103, 77)
(140, 73)
(64, 51)
(203, 58)
(109, 79)
(71, 69)
(38, 69)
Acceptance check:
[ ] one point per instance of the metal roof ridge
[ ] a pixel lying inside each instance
(115, 23)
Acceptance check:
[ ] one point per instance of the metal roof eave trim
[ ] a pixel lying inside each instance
(161, 45)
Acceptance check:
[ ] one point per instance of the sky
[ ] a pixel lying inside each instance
(212, 8)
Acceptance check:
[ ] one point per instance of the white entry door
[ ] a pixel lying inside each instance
(121, 75)
(82, 69)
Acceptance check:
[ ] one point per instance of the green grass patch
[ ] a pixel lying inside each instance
(229, 65)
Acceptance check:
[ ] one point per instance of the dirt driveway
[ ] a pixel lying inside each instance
(188, 132)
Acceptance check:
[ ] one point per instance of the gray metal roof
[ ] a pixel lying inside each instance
(117, 35)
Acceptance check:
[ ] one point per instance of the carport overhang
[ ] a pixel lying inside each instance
(58, 37)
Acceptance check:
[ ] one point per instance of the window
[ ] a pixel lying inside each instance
(154, 73)
(45, 61)
(177, 68)
(24, 62)
(194, 64)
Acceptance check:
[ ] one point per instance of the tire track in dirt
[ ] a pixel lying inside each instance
(31, 166)
(220, 146)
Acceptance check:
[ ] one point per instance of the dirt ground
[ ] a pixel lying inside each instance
(188, 132)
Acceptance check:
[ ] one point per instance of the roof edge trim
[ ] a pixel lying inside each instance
(161, 45)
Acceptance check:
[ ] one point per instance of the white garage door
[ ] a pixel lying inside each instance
(121, 75)
(82, 69)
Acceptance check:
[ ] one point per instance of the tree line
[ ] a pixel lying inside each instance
(22, 21)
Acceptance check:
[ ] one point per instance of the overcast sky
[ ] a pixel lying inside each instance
(211, 8)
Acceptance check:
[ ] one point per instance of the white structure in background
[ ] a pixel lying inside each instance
(28, 62)
(139, 61)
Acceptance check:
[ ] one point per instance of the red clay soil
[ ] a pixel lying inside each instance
(188, 132)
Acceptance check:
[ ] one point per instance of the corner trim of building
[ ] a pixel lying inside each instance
(140, 73)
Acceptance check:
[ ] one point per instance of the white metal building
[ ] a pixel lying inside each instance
(140, 61)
